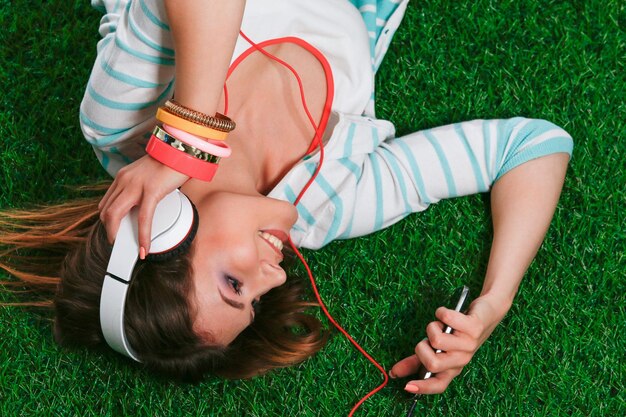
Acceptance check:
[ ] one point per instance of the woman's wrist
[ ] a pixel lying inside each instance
(500, 303)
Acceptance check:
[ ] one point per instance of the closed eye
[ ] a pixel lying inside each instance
(234, 283)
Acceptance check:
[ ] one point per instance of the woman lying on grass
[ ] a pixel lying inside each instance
(225, 305)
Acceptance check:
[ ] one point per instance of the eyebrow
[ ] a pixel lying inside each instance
(235, 304)
(232, 303)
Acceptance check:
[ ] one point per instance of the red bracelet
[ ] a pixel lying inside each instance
(180, 161)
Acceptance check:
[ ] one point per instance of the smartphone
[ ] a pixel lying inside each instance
(462, 297)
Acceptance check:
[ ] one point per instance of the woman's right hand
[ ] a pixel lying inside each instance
(143, 183)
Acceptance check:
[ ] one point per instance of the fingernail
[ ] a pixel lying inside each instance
(411, 388)
(142, 253)
(391, 374)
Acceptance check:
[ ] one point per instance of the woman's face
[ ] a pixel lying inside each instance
(236, 257)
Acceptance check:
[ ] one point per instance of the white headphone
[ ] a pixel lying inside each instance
(174, 226)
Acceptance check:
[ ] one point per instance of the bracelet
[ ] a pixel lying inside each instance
(219, 121)
(171, 119)
(216, 148)
(180, 161)
(176, 143)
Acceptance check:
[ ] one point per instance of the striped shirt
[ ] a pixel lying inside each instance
(370, 179)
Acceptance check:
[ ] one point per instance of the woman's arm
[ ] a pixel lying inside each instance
(204, 35)
(522, 161)
(522, 202)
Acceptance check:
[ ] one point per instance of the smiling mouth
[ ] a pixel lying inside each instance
(272, 240)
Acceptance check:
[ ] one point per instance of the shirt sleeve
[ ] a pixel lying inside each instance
(407, 174)
(382, 18)
(132, 75)
(372, 179)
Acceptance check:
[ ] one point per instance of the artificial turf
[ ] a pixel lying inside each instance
(561, 349)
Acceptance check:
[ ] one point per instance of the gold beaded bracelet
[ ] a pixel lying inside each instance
(165, 116)
(217, 122)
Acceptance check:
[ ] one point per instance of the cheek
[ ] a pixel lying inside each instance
(236, 251)
(245, 256)
(219, 326)
(227, 335)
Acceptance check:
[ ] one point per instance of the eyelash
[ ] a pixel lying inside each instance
(256, 306)
(234, 284)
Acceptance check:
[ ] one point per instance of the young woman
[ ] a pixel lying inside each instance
(198, 312)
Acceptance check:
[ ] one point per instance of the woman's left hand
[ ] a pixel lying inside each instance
(458, 348)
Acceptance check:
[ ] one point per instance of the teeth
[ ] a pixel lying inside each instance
(272, 239)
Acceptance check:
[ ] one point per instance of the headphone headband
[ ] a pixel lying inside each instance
(173, 222)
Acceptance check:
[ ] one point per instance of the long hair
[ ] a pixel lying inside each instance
(58, 255)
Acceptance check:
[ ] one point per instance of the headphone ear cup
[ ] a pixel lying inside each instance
(182, 247)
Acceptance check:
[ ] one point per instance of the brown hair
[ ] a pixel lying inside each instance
(62, 250)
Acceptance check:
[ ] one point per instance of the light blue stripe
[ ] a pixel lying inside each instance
(125, 78)
(443, 161)
(346, 233)
(359, 3)
(387, 8)
(347, 148)
(103, 129)
(297, 228)
(378, 187)
(117, 6)
(141, 55)
(152, 17)
(524, 133)
(334, 198)
(114, 150)
(291, 196)
(105, 160)
(384, 10)
(302, 211)
(125, 106)
(399, 177)
(351, 166)
(417, 175)
(103, 43)
(375, 137)
(548, 147)
(528, 132)
(504, 129)
(356, 171)
(489, 163)
(111, 134)
(480, 181)
(145, 40)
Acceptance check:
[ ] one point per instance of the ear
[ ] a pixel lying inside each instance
(182, 247)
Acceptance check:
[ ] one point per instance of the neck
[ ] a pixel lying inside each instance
(272, 132)
(240, 173)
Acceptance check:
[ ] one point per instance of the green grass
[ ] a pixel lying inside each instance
(560, 351)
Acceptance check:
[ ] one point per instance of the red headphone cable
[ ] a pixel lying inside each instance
(320, 144)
